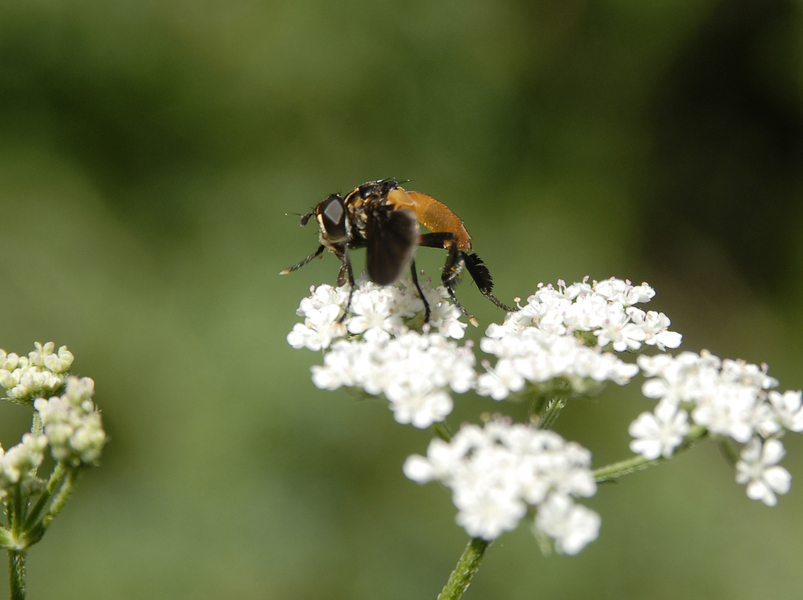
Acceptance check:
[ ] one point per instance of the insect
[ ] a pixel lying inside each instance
(383, 218)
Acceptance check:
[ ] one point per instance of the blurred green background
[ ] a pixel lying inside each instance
(149, 153)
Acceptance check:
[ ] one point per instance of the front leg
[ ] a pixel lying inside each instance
(315, 254)
(349, 274)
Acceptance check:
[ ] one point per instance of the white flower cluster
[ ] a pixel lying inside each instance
(561, 333)
(38, 375)
(729, 398)
(496, 472)
(373, 308)
(411, 369)
(72, 423)
(372, 348)
(19, 462)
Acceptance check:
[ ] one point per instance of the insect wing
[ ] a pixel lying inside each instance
(391, 239)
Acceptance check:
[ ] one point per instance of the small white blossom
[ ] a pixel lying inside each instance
(788, 409)
(660, 433)
(759, 470)
(571, 525)
(618, 330)
(495, 472)
(655, 327)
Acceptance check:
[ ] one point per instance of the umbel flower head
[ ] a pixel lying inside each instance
(72, 423)
(731, 399)
(561, 334)
(375, 348)
(496, 472)
(37, 375)
(19, 463)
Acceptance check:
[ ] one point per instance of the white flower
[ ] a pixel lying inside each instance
(727, 397)
(628, 294)
(655, 327)
(788, 409)
(500, 381)
(759, 471)
(617, 329)
(660, 433)
(490, 513)
(412, 370)
(495, 472)
(373, 308)
(534, 355)
(551, 337)
(571, 525)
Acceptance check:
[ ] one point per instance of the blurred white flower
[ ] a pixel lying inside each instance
(759, 471)
(495, 472)
(571, 525)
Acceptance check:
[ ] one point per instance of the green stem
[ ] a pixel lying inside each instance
(15, 514)
(468, 564)
(53, 484)
(16, 573)
(638, 463)
(551, 412)
(36, 423)
(623, 467)
(61, 498)
(442, 431)
(729, 451)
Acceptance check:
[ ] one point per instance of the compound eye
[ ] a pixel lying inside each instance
(333, 216)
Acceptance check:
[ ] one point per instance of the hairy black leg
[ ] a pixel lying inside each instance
(312, 256)
(482, 277)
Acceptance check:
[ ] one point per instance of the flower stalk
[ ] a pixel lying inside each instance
(639, 463)
(465, 570)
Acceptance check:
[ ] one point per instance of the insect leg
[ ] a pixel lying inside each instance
(315, 254)
(347, 265)
(452, 267)
(482, 277)
(420, 293)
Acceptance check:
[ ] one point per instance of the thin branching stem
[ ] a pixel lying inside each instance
(639, 463)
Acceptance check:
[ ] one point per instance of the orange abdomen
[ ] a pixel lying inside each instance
(432, 214)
